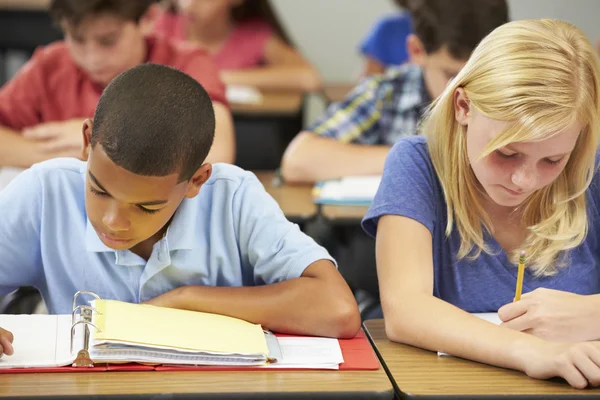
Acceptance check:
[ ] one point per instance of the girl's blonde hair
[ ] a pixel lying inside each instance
(540, 76)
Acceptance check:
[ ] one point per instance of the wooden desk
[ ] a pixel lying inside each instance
(338, 91)
(419, 373)
(201, 385)
(263, 131)
(295, 200)
(344, 214)
(314, 385)
(24, 4)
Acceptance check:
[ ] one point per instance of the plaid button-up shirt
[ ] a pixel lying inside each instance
(380, 110)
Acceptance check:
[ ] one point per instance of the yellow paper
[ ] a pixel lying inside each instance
(180, 329)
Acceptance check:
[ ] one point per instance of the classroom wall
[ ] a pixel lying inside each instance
(330, 39)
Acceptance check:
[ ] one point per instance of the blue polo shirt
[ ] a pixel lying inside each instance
(232, 234)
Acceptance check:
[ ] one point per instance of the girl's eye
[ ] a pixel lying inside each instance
(554, 162)
(505, 155)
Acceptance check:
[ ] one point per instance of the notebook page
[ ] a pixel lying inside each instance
(350, 188)
(40, 340)
(241, 94)
(489, 317)
(360, 186)
(309, 353)
(178, 329)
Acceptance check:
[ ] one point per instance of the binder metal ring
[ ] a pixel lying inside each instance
(85, 312)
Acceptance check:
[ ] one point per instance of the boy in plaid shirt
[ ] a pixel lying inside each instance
(354, 136)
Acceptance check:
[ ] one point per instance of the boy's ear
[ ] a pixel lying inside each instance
(462, 107)
(199, 179)
(87, 138)
(416, 50)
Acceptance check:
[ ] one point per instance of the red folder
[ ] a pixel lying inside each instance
(358, 355)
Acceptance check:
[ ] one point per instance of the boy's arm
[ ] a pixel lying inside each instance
(317, 303)
(296, 287)
(16, 151)
(19, 151)
(326, 151)
(20, 105)
(223, 148)
(310, 158)
(20, 222)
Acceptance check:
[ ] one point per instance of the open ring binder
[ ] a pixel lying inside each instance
(82, 315)
(111, 335)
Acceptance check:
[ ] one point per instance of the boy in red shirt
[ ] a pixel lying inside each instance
(43, 107)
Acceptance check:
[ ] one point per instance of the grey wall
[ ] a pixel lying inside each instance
(328, 31)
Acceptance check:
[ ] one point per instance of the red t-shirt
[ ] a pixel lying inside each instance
(244, 48)
(51, 87)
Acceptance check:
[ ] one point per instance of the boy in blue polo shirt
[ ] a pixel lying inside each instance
(146, 220)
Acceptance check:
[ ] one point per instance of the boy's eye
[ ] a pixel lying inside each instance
(108, 42)
(97, 192)
(142, 208)
(147, 210)
(77, 39)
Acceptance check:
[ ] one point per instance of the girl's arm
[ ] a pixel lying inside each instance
(285, 69)
(414, 316)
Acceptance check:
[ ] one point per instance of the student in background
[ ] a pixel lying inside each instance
(354, 136)
(146, 219)
(508, 163)
(43, 107)
(246, 40)
(385, 45)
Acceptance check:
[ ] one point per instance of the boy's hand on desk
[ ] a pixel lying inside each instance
(58, 136)
(6, 339)
(554, 315)
(167, 299)
(577, 363)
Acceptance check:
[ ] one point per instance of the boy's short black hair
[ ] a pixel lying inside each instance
(154, 120)
(75, 11)
(459, 25)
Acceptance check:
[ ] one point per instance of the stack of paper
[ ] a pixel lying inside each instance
(352, 190)
(243, 94)
(148, 334)
(309, 353)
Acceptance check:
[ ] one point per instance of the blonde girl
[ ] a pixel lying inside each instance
(508, 163)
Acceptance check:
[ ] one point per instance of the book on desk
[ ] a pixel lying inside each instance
(348, 191)
(108, 335)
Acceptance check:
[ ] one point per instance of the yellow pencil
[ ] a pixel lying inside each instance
(520, 274)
